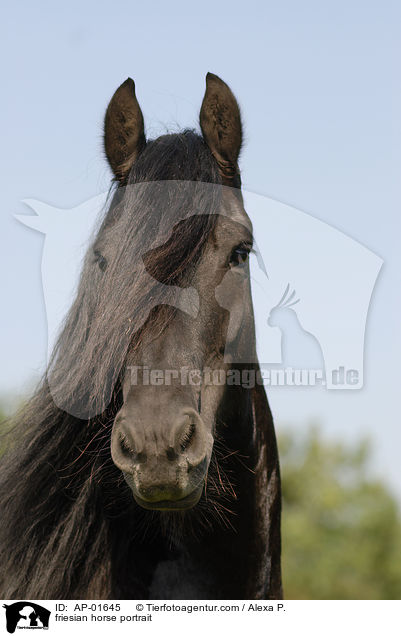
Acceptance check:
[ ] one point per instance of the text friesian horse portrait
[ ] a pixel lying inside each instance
(127, 474)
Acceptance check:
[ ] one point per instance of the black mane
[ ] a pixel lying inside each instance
(67, 540)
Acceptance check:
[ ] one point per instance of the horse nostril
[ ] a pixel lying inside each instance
(128, 448)
(187, 435)
(125, 444)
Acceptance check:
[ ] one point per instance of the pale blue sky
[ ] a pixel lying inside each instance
(318, 84)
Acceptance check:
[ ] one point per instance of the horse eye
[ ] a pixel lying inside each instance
(239, 256)
(100, 260)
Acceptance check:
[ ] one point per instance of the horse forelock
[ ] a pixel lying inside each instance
(151, 238)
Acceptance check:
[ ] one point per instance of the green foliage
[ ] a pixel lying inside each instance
(3, 427)
(341, 528)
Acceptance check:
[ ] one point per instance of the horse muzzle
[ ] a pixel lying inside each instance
(165, 467)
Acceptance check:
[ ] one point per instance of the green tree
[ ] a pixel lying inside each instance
(5, 427)
(341, 528)
(2, 430)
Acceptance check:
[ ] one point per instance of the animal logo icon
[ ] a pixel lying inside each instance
(25, 615)
(300, 349)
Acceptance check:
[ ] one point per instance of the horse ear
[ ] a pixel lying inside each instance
(220, 121)
(124, 134)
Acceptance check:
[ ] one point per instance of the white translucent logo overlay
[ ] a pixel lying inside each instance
(311, 287)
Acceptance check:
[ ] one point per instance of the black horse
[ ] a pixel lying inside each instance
(145, 466)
